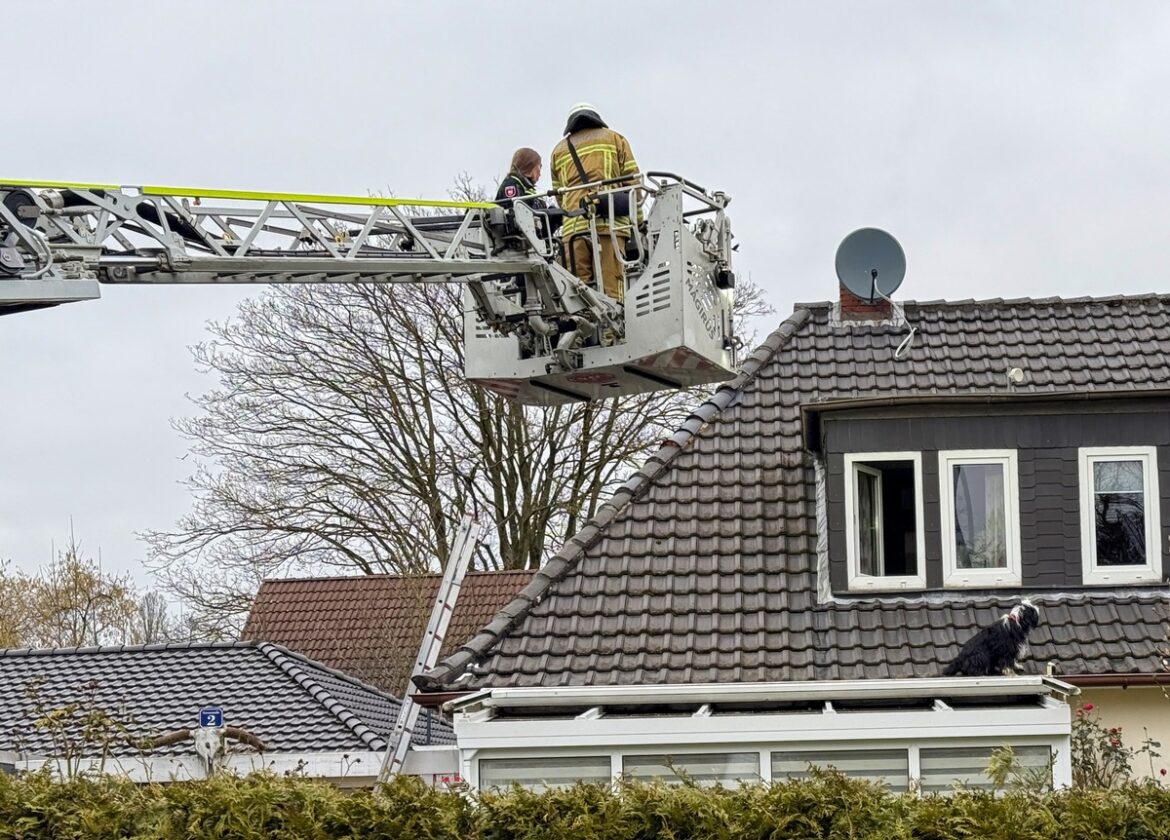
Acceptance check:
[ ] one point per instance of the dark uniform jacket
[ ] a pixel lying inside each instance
(517, 186)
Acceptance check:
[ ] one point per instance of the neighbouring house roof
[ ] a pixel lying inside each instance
(701, 567)
(289, 702)
(371, 626)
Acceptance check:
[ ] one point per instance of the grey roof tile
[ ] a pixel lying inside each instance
(703, 566)
(291, 703)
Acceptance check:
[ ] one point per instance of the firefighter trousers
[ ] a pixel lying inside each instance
(580, 262)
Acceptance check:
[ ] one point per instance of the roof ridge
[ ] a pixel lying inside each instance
(564, 560)
(388, 576)
(196, 645)
(333, 672)
(290, 663)
(970, 303)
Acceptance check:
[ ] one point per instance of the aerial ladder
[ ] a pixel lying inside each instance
(534, 333)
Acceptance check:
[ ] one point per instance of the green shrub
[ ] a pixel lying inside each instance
(825, 807)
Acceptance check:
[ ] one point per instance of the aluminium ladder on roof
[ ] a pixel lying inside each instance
(398, 743)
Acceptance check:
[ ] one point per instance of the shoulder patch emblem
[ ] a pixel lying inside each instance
(510, 192)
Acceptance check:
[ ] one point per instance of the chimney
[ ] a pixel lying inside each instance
(854, 308)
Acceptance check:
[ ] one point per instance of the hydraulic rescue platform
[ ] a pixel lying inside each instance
(534, 332)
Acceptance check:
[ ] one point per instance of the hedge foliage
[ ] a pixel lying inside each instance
(827, 806)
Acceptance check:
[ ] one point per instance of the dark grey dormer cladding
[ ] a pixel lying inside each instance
(1046, 437)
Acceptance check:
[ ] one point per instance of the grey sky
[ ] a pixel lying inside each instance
(1014, 149)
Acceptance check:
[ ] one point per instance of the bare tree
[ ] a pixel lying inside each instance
(343, 435)
(73, 602)
(152, 622)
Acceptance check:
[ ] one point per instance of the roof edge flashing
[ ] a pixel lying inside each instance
(891, 689)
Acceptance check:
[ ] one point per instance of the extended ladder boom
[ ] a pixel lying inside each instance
(540, 335)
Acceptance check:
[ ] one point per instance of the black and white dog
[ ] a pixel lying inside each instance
(996, 650)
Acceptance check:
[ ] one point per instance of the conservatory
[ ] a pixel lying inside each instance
(922, 735)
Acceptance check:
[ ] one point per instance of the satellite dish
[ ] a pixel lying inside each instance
(870, 261)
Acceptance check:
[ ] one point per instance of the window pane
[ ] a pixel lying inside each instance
(543, 773)
(1117, 477)
(885, 518)
(888, 767)
(980, 516)
(944, 768)
(869, 533)
(705, 769)
(1121, 529)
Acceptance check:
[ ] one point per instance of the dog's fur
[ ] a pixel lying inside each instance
(997, 650)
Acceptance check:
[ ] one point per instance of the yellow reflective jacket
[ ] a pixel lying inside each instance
(604, 154)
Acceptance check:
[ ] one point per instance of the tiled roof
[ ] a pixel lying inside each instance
(701, 568)
(371, 626)
(289, 702)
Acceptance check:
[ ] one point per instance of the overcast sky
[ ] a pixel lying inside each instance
(1015, 149)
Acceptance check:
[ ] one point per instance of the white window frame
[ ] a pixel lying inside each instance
(953, 576)
(1093, 574)
(858, 581)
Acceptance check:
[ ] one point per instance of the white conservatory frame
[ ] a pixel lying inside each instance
(484, 730)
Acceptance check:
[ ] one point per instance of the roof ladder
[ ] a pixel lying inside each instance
(398, 743)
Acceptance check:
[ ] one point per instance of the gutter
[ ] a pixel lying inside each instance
(1117, 680)
(437, 699)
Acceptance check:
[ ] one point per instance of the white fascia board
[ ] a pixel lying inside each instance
(679, 731)
(331, 766)
(821, 690)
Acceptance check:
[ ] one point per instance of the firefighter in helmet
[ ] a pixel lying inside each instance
(589, 152)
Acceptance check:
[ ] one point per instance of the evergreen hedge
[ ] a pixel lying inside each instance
(827, 806)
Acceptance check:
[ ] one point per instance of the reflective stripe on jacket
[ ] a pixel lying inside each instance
(517, 186)
(604, 154)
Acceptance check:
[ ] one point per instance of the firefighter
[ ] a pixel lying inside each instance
(591, 151)
(523, 174)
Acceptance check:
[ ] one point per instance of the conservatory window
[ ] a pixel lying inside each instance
(888, 767)
(539, 774)
(705, 769)
(941, 769)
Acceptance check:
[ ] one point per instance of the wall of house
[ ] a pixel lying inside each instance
(1046, 437)
(1135, 710)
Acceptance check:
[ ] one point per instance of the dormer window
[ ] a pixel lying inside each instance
(1120, 524)
(883, 520)
(980, 518)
